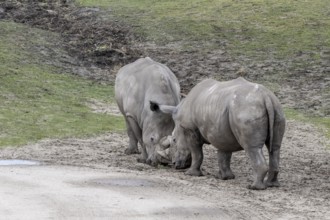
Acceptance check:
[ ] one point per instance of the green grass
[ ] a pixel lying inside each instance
(37, 102)
(321, 122)
(252, 27)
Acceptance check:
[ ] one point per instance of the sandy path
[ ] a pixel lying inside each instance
(62, 192)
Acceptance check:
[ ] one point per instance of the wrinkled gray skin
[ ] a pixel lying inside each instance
(137, 86)
(232, 116)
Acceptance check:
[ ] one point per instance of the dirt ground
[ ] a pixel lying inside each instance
(304, 168)
(304, 173)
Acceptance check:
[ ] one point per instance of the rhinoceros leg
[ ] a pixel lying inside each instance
(225, 172)
(259, 167)
(133, 141)
(136, 130)
(196, 160)
(274, 152)
(274, 157)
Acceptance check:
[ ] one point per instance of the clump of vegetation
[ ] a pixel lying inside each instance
(38, 102)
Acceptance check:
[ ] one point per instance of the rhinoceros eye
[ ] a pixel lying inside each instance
(174, 140)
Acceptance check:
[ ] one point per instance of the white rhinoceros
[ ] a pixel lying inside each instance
(136, 85)
(232, 116)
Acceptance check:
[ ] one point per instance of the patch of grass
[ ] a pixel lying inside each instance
(36, 101)
(253, 27)
(321, 122)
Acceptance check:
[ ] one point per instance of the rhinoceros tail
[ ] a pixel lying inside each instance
(271, 118)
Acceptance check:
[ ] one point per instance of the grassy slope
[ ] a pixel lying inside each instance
(255, 28)
(36, 101)
(284, 27)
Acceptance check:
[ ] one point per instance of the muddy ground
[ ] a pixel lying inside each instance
(305, 168)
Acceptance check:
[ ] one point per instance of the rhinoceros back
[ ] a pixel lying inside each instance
(218, 110)
(143, 81)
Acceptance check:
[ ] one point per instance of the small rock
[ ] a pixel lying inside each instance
(2, 13)
(52, 12)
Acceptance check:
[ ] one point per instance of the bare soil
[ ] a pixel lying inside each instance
(305, 168)
(304, 172)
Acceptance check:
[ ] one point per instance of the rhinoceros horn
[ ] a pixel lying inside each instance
(165, 142)
(164, 151)
(165, 155)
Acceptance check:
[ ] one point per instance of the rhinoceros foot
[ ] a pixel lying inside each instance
(273, 183)
(194, 172)
(272, 180)
(129, 151)
(260, 186)
(225, 176)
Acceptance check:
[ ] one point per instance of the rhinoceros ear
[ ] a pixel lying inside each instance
(183, 96)
(167, 109)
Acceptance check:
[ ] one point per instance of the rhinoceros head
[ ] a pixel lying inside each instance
(173, 149)
(158, 125)
(168, 154)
